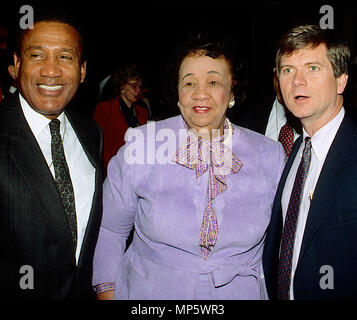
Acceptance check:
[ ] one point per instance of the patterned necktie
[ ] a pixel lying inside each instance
(286, 138)
(63, 178)
(289, 231)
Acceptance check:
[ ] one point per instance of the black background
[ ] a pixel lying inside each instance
(146, 32)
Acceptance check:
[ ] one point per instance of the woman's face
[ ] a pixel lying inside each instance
(204, 92)
(131, 91)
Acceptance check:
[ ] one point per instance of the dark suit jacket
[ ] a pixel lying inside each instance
(330, 237)
(33, 228)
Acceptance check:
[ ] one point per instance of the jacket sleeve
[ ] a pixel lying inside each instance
(119, 209)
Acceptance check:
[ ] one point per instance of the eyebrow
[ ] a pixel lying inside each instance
(209, 72)
(216, 72)
(60, 49)
(187, 75)
(313, 62)
(305, 64)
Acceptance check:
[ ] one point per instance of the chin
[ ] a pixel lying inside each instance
(50, 111)
(299, 113)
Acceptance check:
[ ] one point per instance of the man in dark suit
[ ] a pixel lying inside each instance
(311, 243)
(50, 169)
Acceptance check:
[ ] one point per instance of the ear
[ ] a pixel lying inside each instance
(182, 109)
(11, 70)
(83, 71)
(277, 87)
(341, 83)
(17, 65)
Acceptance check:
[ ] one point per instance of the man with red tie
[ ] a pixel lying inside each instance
(311, 243)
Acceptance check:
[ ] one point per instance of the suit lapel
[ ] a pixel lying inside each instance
(32, 166)
(273, 237)
(333, 172)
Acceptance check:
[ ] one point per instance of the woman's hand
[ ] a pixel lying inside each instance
(106, 295)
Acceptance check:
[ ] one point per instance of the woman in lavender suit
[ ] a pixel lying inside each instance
(198, 191)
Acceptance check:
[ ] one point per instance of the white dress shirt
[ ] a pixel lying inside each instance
(277, 119)
(81, 170)
(321, 142)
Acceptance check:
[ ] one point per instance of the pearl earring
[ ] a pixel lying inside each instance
(231, 103)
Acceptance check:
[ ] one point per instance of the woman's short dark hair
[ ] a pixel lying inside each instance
(214, 46)
(312, 36)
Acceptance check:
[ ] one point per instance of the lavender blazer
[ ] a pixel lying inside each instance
(165, 203)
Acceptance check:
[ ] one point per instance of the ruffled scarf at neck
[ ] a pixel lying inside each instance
(216, 157)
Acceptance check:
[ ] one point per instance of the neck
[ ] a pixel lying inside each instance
(209, 133)
(126, 100)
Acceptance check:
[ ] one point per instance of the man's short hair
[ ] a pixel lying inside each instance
(53, 15)
(312, 36)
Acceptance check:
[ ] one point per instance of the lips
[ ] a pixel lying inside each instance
(50, 90)
(200, 109)
(301, 98)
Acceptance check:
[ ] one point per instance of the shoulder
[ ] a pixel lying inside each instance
(9, 107)
(141, 106)
(147, 139)
(257, 148)
(12, 120)
(259, 154)
(350, 121)
(104, 106)
(244, 135)
(106, 103)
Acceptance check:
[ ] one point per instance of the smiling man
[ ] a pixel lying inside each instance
(50, 166)
(311, 244)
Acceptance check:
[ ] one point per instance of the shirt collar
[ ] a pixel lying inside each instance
(280, 112)
(322, 139)
(35, 120)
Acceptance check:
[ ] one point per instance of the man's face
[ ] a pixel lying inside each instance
(309, 87)
(49, 71)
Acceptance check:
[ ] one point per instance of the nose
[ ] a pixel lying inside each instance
(51, 68)
(298, 79)
(200, 93)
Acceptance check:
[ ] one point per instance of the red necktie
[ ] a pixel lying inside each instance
(289, 231)
(286, 138)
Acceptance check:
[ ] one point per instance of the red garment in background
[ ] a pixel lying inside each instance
(113, 123)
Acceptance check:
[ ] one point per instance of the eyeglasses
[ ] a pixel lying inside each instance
(134, 85)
